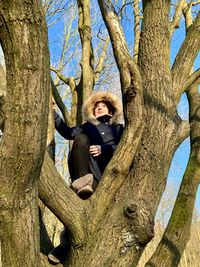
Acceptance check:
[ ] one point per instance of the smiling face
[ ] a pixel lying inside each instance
(101, 109)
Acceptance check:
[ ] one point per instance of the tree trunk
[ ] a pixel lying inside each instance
(113, 227)
(177, 233)
(23, 36)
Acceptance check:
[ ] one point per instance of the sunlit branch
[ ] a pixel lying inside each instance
(193, 78)
(60, 104)
(87, 59)
(136, 29)
(177, 16)
(100, 64)
(185, 57)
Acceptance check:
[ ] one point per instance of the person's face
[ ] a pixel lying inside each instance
(100, 109)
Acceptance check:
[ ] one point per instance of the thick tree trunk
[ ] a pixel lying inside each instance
(23, 37)
(177, 233)
(113, 227)
(119, 216)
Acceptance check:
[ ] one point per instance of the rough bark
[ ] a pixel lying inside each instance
(120, 214)
(122, 210)
(2, 95)
(65, 204)
(137, 19)
(177, 233)
(115, 224)
(23, 36)
(85, 86)
(185, 58)
(153, 157)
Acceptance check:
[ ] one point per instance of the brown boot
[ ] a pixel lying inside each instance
(84, 186)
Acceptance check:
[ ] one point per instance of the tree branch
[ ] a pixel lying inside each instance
(177, 16)
(2, 102)
(87, 60)
(61, 200)
(136, 29)
(112, 21)
(181, 219)
(2, 95)
(99, 66)
(193, 78)
(61, 76)
(60, 104)
(185, 58)
(187, 12)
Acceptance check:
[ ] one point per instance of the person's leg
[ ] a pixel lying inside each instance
(80, 156)
(84, 183)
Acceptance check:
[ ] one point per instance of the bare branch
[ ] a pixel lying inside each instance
(185, 58)
(60, 104)
(196, 3)
(124, 5)
(99, 66)
(177, 16)
(61, 76)
(87, 61)
(113, 25)
(55, 10)
(187, 12)
(193, 78)
(136, 29)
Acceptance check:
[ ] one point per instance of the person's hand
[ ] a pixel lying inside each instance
(95, 150)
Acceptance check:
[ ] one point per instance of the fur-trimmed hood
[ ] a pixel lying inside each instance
(88, 107)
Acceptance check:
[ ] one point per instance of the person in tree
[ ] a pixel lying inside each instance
(94, 144)
(94, 141)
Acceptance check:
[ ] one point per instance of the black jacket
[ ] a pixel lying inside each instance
(103, 134)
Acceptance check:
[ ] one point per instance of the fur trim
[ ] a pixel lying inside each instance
(88, 107)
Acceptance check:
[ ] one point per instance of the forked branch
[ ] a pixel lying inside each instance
(186, 57)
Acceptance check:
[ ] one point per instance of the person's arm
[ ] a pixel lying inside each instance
(64, 130)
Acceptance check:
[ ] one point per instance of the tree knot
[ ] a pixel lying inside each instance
(140, 220)
(130, 210)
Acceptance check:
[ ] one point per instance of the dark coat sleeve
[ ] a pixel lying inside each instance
(67, 132)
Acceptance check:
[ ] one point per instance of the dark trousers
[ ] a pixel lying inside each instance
(79, 157)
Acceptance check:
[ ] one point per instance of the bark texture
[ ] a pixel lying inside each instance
(23, 36)
(113, 227)
(177, 233)
(85, 86)
(119, 217)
